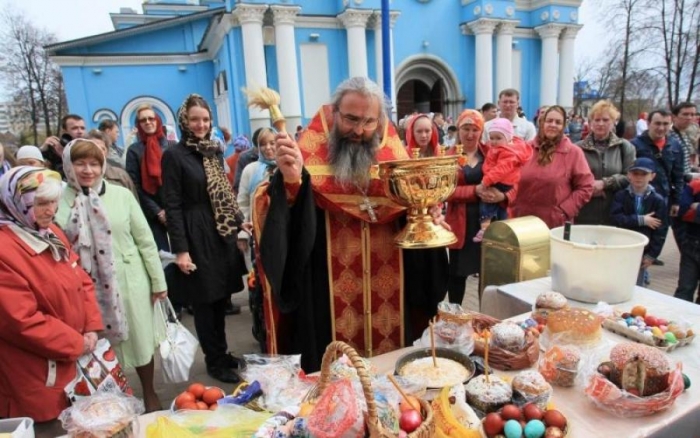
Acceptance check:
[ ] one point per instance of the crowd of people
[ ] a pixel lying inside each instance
(312, 209)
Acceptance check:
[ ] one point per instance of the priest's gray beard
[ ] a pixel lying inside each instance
(351, 160)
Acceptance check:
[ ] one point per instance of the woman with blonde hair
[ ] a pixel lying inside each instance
(608, 157)
(556, 182)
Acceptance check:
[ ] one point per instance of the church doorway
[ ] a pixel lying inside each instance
(425, 83)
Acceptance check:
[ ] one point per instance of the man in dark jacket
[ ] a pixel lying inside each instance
(667, 156)
(689, 212)
(639, 208)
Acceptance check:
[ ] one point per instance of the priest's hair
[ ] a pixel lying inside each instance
(365, 87)
(351, 160)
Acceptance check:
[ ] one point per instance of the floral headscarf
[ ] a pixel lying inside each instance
(227, 215)
(90, 233)
(17, 194)
(470, 116)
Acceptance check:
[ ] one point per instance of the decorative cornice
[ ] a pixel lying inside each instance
(114, 60)
(317, 22)
(507, 27)
(531, 5)
(483, 25)
(570, 31)
(171, 7)
(284, 14)
(248, 13)
(376, 19)
(355, 17)
(549, 30)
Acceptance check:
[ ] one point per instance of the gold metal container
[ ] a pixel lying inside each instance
(514, 250)
(419, 184)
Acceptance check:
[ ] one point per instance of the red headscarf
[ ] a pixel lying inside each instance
(151, 175)
(433, 144)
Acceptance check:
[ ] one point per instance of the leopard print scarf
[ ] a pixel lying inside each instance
(227, 215)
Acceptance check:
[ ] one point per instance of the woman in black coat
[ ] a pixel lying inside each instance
(203, 221)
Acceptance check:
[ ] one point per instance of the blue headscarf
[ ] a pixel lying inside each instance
(266, 167)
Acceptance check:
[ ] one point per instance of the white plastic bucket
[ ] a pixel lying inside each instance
(599, 263)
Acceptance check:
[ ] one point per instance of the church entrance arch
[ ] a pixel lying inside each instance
(128, 116)
(427, 84)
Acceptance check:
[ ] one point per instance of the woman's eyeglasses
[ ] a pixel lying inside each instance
(147, 120)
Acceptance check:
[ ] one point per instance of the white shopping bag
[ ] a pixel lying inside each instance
(178, 349)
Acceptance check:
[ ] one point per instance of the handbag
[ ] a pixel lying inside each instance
(99, 370)
(178, 349)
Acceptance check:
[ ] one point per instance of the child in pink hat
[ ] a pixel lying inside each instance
(501, 169)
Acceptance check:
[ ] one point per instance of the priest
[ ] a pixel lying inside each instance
(326, 248)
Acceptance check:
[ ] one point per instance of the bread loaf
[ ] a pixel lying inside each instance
(640, 369)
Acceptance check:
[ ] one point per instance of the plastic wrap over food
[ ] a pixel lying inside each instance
(104, 414)
(607, 396)
(560, 365)
(451, 335)
(226, 421)
(281, 378)
(338, 413)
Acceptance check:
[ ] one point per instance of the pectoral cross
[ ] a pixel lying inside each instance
(368, 206)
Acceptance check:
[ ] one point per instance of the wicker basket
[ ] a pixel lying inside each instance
(500, 358)
(426, 429)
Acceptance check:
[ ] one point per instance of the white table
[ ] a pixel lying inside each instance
(681, 420)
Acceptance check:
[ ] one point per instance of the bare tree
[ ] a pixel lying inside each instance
(674, 26)
(26, 67)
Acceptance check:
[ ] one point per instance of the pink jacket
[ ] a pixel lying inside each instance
(502, 164)
(554, 192)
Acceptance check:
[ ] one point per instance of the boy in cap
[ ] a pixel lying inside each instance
(501, 168)
(639, 208)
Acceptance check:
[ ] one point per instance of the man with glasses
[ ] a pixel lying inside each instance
(508, 103)
(327, 245)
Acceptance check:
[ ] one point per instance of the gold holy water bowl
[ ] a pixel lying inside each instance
(419, 184)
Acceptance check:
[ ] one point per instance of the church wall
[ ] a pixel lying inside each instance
(114, 86)
(531, 52)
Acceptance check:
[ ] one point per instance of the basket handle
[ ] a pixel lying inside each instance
(324, 380)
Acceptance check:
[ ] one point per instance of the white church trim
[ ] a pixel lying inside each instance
(79, 61)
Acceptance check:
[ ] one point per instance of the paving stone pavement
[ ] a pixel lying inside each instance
(240, 338)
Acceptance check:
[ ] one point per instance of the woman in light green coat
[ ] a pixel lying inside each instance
(108, 230)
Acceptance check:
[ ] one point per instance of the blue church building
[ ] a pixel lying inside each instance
(445, 55)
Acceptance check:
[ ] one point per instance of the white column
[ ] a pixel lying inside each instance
(549, 33)
(287, 68)
(483, 31)
(355, 22)
(504, 55)
(379, 60)
(566, 66)
(251, 18)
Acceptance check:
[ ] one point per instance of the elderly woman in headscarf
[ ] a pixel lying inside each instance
(203, 223)
(105, 225)
(463, 206)
(143, 162)
(48, 313)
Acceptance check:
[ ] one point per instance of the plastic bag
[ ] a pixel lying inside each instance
(97, 371)
(451, 335)
(104, 414)
(178, 350)
(456, 420)
(338, 413)
(225, 422)
(607, 396)
(560, 364)
(282, 381)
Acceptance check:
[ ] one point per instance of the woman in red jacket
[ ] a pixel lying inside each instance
(463, 206)
(557, 181)
(48, 313)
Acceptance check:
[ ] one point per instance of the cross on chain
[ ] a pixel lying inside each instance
(368, 206)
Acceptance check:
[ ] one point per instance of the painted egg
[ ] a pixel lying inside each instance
(534, 429)
(657, 332)
(513, 429)
(670, 337)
